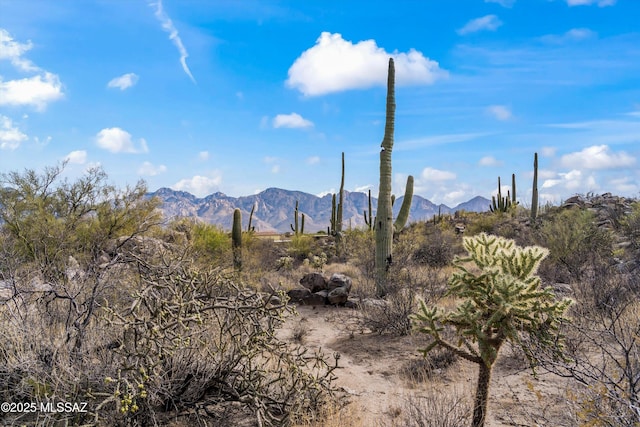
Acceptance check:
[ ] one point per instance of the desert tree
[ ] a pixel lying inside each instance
(66, 237)
(499, 298)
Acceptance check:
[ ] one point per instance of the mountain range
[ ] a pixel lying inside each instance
(274, 208)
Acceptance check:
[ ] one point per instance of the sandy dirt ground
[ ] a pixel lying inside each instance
(373, 375)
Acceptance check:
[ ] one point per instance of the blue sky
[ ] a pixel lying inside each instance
(241, 95)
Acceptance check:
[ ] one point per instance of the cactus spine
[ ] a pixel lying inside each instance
(236, 239)
(534, 193)
(384, 218)
(297, 230)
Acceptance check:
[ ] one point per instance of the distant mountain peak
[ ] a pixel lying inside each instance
(276, 206)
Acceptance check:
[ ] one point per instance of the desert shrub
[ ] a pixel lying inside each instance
(359, 245)
(436, 409)
(211, 243)
(484, 222)
(575, 244)
(391, 315)
(630, 226)
(104, 311)
(426, 368)
(437, 249)
(603, 357)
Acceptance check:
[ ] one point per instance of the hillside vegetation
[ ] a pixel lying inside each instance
(147, 322)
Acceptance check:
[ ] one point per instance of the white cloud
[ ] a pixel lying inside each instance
(148, 169)
(117, 140)
(78, 157)
(363, 188)
(484, 23)
(313, 160)
(36, 91)
(503, 3)
(123, 82)
(203, 155)
(548, 151)
(597, 157)
(335, 65)
(13, 51)
(199, 185)
(574, 34)
(324, 193)
(167, 25)
(293, 120)
(500, 112)
(490, 161)
(275, 168)
(431, 174)
(270, 159)
(601, 3)
(10, 136)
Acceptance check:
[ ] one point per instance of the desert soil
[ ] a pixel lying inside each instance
(376, 389)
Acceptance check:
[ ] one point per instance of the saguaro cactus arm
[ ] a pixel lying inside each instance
(403, 215)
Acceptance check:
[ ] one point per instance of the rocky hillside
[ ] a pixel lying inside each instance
(274, 208)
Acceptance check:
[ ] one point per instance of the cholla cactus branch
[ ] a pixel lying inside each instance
(501, 298)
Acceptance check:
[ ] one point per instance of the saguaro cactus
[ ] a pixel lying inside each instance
(370, 220)
(341, 202)
(236, 239)
(384, 215)
(297, 230)
(251, 228)
(534, 193)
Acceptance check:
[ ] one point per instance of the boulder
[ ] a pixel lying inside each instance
(298, 294)
(338, 296)
(314, 299)
(338, 280)
(314, 282)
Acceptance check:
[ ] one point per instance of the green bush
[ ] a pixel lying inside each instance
(576, 245)
(211, 242)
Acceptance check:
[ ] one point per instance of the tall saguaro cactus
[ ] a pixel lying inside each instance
(341, 202)
(534, 193)
(384, 213)
(236, 239)
(297, 230)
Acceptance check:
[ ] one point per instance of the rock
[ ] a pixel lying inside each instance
(338, 296)
(324, 293)
(339, 281)
(314, 282)
(315, 299)
(298, 294)
(350, 303)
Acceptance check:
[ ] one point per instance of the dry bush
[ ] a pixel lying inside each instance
(407, 286)
(424, 369)
(603, 354)
(436, 409)
(182, 341)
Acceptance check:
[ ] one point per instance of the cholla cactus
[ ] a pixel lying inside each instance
(500, 298)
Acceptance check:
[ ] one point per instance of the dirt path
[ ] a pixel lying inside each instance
(373, 374)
